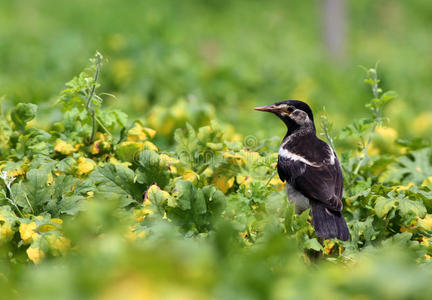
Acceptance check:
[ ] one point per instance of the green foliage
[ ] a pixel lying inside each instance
(122, 216)
(117, 182)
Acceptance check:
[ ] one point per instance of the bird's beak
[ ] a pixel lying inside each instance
(270, 108)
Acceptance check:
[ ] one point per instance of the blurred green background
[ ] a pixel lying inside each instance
(168, 62)
(230, 54)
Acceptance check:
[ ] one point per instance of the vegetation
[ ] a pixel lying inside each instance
(149, 176)
(91, 207)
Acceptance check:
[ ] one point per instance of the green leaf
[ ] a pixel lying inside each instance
(33, 193)
(289, 218)
(116, 182)
(312, 244)
(66, 198)
(66, 165)
(215, 199)
(184, 190)
(414, 167)
(64, 185)
(302, 219)
(151, 170)
(389, 95)
(23, 113)
(70, 205)
(128, 152)
(198, 203)
(416, 207)
(157, 199)
(383, 206)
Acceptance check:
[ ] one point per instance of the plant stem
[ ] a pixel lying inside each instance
(16, 206)
(103, 127)
(365, 148)
(89, 105)
(377, 112)
(271, 177)
(327, 134)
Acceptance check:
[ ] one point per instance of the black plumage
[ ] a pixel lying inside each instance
(310, 169)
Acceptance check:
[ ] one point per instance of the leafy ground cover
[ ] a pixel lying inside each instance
(95, 207)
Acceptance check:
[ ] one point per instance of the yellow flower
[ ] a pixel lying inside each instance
(427, 181)
(132, 235)
(63, 147)
(235, 158)
(404, 229)
(153, 190)
(138, 146)
(47, 227)
(348, 201)
(425, 241)
(328, 246)
(223, 183)
(136, 133)
(207, 172)
(6, 232)
(95, 148)
(147, 145)
(35, 254)
(150, 132)
(58, 244)
(243, 180)
(250, 156)
(275, 180)
(85, 165)
(57, 221)
(373, 150)
(404, 187)
(191, 176)
(387, 133)
(140, 214)
(168, 159)
(28, 233)
(242, 157)
(426, 222)
(114, 161)
(50, 179)
(17, 172)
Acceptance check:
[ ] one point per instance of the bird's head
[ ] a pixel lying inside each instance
(294, 113)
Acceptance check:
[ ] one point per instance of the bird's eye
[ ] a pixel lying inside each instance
(290, 109)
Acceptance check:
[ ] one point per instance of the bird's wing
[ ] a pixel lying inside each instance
(321, 182)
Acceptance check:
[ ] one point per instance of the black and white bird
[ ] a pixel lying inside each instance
(310, 169)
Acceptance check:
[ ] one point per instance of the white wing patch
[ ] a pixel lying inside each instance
(295, 157)
(292, 156)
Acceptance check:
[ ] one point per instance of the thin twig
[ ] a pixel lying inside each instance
(271, 177)
(89, 105)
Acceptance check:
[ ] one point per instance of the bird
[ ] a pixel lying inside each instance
(311, 170)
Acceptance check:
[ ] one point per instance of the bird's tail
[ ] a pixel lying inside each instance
(329, 224)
